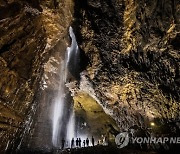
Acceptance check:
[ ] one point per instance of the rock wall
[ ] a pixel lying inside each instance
(28, 31)
(130, 64)
(133, 51)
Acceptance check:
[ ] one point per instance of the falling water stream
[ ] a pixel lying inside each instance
(65, 128)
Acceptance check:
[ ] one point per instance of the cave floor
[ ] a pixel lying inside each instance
(91, 150)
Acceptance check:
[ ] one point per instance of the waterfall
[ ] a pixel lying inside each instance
(63, 120)
(59, 106)
(71, 128)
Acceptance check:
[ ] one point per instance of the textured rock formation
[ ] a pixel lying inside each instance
(92, 120)
(28, 30)
(21, 44)
(130, 66)
(133, 48)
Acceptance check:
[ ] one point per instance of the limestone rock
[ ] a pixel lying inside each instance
(132, 51)
(91, 118)
(28, 32)
(133, 58)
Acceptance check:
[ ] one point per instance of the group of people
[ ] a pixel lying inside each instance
(79, 143)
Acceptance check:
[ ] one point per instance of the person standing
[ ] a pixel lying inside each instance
(87, 142)
(92, 141)
(63, 142)
(84, 143)
(72, 143)
(79, 142)
(98, 142)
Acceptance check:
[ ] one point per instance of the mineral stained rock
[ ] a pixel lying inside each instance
(133, 51)
(130, 64)
(92, 119)
(28, 32)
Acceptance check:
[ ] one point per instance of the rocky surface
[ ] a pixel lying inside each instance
(129, 62)
(28, 32)
(22, 42)
(92, 120)
(133, 51)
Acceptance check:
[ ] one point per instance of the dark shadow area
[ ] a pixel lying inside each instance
(10, 11)
(84, 60)
(176, 42)
(92, 150)
(35, 4)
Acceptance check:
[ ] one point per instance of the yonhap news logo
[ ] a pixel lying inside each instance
(123, 139)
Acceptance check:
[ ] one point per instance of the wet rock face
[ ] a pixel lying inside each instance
(132, 48)
(134, 57)
(22, 40)
(91, 120)
(27, 35)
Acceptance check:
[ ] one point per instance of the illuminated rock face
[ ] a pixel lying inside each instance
(133, 58)
(22, 41)
(28, 32)
(131, 48)
(91, 120)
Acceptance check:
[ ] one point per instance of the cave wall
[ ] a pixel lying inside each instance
(22, 40)
(28, 32)
(133, 51)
